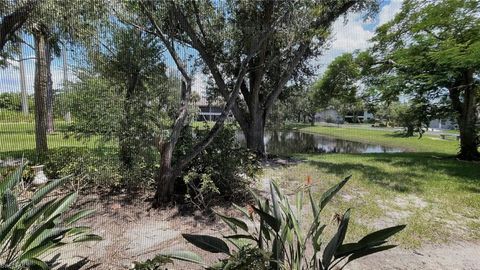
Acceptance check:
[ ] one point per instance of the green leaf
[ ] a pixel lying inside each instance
(336, 240)
(61, 205)
(35, 262)
(8, 225)
(381, 235)
(43, 191)
(11, 180)
(269, 219)
(233, 223)
(47, 225)
(328, 195)
(34, 214)
(369, 251)
(316, 240)
(187, 256)
(274, 192)
(48, 235)
(315, 210)
(9, 204)
(208, 243)
(241, 236)
(39, 250)
(242, 210)
(79, 215)
(87, 238)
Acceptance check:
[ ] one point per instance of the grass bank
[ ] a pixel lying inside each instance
(437, 196)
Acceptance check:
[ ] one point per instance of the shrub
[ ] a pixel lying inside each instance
(87, 166)
(293, 242)
(31, 229)
(222, 171)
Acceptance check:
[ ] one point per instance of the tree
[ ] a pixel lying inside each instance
(153, 18)
(432, 48)
(340, 86)
(224, 33)
(124, 94)
(13, 19)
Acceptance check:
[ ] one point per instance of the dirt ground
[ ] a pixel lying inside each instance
(133, 232)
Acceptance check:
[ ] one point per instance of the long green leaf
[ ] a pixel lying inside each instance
(39, 250)
(47, 225)
(233, 223)
(241, 236)
(43, 191)
(10, 223)
(187, 256)
(336, 240)
(328, 195)
(269, 219)
(9, 204)
(87, 238)
(369, 251)
(34, 262)
(11, 180)
(61, 205)
(79, 215)
(381, 235)
(208, 243)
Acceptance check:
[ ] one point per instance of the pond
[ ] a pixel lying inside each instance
(291, 142)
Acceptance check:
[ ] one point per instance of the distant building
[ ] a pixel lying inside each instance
(207, 110)
(442, 124)
(333, 116)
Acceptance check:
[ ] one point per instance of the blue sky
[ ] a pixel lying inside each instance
(347, 37)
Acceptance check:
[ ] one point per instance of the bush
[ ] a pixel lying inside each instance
(88, 166)
(221, 172)
(30, 229)
(292, 242)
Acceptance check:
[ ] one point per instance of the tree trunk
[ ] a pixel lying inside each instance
(165, 177)
(40, 89)
(23, 85)
(50, 94)
(125, 136)
(254, 134)
(469, 140)
(409, 132)
(466, 109)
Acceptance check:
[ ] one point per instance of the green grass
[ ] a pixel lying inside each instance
(437, 196)
(18, 139)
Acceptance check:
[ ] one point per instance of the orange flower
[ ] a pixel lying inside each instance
(309, 180)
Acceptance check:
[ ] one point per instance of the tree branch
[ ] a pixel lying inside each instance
(14, 21)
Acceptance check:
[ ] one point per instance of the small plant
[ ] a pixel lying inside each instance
(31, 228)
(293, 241)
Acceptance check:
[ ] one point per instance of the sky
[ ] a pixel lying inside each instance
(347, 37)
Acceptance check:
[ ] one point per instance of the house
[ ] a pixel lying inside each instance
(208, 110)
(438, 124)
(333, 116)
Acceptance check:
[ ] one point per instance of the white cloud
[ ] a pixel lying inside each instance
(389, 11)
(356, 33)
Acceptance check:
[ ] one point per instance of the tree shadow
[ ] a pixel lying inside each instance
(468, 172)
(392, 181)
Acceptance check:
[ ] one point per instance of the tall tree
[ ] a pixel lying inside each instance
(223, 33)
(432, 48)
(40, 86)
(161, 20)
(339, 85)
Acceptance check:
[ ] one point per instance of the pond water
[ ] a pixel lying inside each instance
(291, 142)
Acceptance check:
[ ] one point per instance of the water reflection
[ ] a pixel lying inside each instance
(289, 142)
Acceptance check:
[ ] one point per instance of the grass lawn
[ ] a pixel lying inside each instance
(437, 196)
(18, 139)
